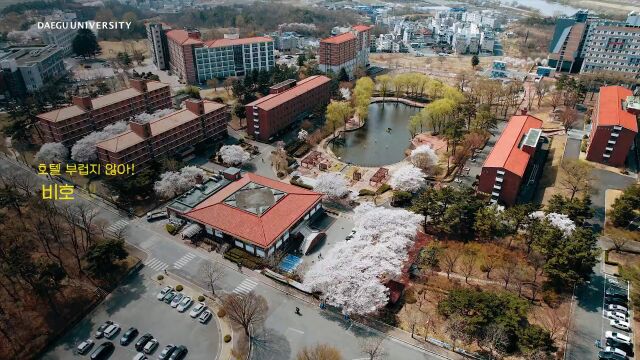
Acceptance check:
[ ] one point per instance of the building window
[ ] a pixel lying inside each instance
(249, 248)
(260, 252)
(239, 244)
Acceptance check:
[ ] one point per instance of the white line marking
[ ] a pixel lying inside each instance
(296, 330)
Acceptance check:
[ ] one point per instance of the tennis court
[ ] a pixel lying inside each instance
(290, 263)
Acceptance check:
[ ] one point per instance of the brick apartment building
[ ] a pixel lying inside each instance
(614, 126)
(201, 120)
(69, 124)
(287, 103)
(347, 51)
(182, 45)
(195, 61)
(503, 170)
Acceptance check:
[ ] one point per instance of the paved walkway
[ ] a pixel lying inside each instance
(398, 99)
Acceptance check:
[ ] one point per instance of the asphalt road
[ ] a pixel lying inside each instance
(290, 332)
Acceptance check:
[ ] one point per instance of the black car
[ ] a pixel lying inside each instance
(610, 355)
(128, 337)
(615, 301)
(179, 353)
(100, 332)
(615, 292)
(143, 341)
(167, 351)
(103, 351)
(620, 345)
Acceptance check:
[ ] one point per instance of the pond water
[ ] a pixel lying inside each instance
(382, 140)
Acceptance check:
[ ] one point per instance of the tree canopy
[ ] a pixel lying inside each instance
(85, 43)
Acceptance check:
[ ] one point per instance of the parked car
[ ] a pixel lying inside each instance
(166, 352)
(156, 215)
(140, 356)
(607, 355)
(618, 301)
(111, 331)
(179, 353)
(128, 336)
(351, 234)
(621, 325)
(100, 332)
(618, 337)
(618, 283)
(103, 351)
(165, 290)
(615, 292)
(615, 315)
(618, 308)
(199, 308)
(143, 341)
(184, 304)
(615, 350)
(176, 300)
(151, 346)
(205, 316)
(84, 347)
(169, 297)
(628, 348)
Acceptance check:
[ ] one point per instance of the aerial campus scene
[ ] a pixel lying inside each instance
(319, 179)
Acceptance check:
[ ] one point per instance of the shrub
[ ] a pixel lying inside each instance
(383, 189)
(365, 192)
(551, 298)
(160, 277)
(179, 288)
(410, 296)
(227, 338)
(221, 313)
(201, 298)
(171, 229)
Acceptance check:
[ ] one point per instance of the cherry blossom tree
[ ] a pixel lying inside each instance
(233, 154)
(561, 221)
(52, 153)
(148, 117)
(172, 183)
(350, 275)
(303, 135)
(424, 158)
(407, 178)
(84, 149)
(331, 184)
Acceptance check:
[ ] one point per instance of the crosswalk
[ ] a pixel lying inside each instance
(116, 227)
(156, 264)
(183, 260)
(245, 286)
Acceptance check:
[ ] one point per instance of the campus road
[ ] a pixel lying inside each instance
(285, 333)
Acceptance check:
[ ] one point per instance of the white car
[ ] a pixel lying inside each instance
(176, 300)
(150, 346)
(619, 324)
(85, 346)
(140, 356)
(184, 304)
(200, 307)
(618, 337)
(618, 308)
(163, 292)
(615, 350)
(615, 315)
(111, 331)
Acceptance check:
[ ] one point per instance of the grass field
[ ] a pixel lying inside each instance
(111, 48)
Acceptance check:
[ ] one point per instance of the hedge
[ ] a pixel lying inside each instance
(295, 182)
(383, 189)
(227, 338)
(201, 298)
(365, 192)
(247, 260)
(171, 229)
(179, 288)
(221, 313)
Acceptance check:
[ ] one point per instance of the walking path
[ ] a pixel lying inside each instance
(398, 99)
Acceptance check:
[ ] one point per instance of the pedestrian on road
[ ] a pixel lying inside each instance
(239, 266)
(165, 271)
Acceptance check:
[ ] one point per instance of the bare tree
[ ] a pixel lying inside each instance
(495, 338)
(507, 269)
(619, 242)
(372, 348)
(450, 258)
(569, 118)
(246, 310)
(576, 176)
(211, 273)
(469, 260)
(319, 352)
(556, 99)
(456, 327)
(554, 320)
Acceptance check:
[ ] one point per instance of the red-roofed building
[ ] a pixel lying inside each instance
(200, 120)
(613, 127)
(182, 45)
(347, 51)
(276, 111)
(504, 168)
(68, 124)
(254, 213)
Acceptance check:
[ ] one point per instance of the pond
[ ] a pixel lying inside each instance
(382, 140)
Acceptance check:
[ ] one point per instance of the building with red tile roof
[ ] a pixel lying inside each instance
(254, 213)
(348, 51)
(614, 126)
(200, 120)
(285, 105)
(181, 45)
(69, 124)
(504, 168)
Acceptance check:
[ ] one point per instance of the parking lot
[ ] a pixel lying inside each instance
(134, 304)
(617, 319)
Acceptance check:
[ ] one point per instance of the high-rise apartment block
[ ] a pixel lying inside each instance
(158, 46)
(348, 51)
(586, 44)
(69, 124)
